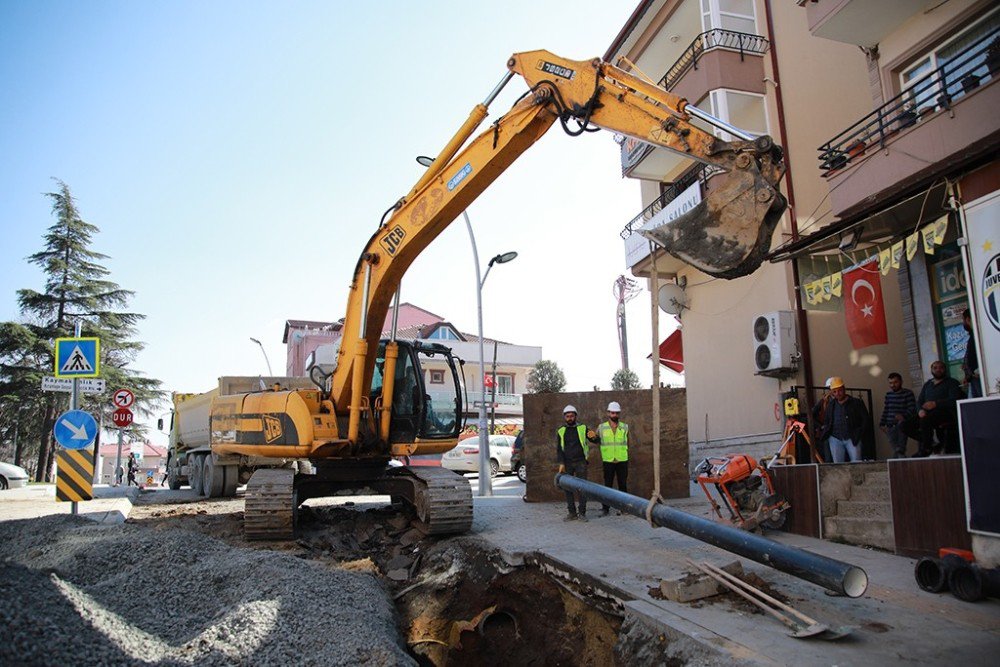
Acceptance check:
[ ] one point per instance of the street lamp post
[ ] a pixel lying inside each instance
(485, 482)
(266, 360)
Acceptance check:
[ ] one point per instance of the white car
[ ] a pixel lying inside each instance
(12, 476)
(464, 457)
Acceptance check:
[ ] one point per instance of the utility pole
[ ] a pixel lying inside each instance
(624, 290)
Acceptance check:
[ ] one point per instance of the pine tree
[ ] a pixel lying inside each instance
(77, 290)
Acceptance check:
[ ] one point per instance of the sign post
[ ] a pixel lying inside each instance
(122, 400)
(75, 430)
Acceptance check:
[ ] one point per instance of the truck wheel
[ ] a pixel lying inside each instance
(194, 476)
(212, 478)
(232, 480)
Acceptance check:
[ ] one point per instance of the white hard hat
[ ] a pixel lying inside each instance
(829, 381)
(569, 408)
(614, 407)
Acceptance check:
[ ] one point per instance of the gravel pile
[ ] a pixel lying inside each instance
(77, 593)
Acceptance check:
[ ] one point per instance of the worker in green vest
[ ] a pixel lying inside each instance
(572, 451)
(613, 435)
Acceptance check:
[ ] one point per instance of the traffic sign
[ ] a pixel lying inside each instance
(86, 385)
(74, 475)
(121, 417)
(123, 398)
(78, 357)
(75, 429)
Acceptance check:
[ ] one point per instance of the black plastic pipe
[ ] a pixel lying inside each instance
(834, 575)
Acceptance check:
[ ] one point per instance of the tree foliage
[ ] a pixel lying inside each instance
(546, 378)
(77, 291)
(625, 379)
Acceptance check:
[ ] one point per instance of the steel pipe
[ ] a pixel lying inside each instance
(834, 575)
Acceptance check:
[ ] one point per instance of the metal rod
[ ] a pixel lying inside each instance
(716, 122)
(831, 574)
(500, 86)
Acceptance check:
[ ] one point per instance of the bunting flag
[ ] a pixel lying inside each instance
(928, 235)
(912, 242)
(827, 288)
(897, 254)
(864, 312)
(810, 294)
(940, 228)
(884, 258)
(836, 283)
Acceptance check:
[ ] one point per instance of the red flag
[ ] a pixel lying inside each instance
(864, 312)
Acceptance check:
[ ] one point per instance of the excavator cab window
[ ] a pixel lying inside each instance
(417, 412)
(442, 402)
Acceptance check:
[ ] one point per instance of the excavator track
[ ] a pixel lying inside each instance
(269, 512)
(442, 500)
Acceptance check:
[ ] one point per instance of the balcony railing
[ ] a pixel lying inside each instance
(716, 38)
(700, 173)
(966, 71)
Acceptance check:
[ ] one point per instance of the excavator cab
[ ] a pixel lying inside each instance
(426, 399)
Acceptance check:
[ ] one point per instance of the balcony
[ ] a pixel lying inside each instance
(714, 59)
(944, 120)
(861, 22)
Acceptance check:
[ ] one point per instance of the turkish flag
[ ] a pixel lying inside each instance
(864, 312)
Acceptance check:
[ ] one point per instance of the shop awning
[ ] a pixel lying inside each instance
(672, 352)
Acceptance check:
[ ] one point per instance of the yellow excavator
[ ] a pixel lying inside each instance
(373, 406)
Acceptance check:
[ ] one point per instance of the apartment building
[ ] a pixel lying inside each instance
(507, 365)
(821, 77)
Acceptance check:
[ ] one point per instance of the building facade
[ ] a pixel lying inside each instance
(804, 72)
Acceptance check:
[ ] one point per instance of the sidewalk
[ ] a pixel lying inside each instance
(110, 504)
(622, 555)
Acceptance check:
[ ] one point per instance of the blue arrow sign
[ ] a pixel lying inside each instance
(75, 429)
(78, 357)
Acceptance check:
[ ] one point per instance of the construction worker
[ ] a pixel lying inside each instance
(572, 451)
(613, 435)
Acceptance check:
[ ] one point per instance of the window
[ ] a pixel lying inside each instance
(951, 67)
(746, 111)
(505, 384)
(437, 377)
(443, 333)
(735, 15)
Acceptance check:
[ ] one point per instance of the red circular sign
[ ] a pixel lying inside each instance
(122, 417)
(123, 398)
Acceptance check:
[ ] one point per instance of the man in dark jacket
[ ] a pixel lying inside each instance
(845, 422)
(572, 450)
(936, 406)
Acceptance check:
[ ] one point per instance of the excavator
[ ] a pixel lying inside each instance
(373, 406)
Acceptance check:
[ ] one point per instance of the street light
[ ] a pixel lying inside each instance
(266, 360)
(485, 483)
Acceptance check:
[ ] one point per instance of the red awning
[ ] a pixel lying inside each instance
(672, 352)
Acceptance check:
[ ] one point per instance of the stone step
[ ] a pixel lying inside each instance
(880, 478)
(866, 532)
(875, 493)
(864, 509)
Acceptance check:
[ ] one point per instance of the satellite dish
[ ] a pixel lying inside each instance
(672, 298)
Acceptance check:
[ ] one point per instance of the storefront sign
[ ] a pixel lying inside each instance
(637, 245)
(983, 235)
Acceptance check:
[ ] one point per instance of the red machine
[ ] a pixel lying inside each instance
(746, 490)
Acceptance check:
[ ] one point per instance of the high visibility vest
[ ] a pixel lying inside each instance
(581, 431)
(614, 443)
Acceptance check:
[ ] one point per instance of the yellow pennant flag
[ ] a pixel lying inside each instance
(884, 260)
(837, 283)
(928, 235)
(940, 228)
(912, 242)
(817, 288)
(827, 288)
(897, 254)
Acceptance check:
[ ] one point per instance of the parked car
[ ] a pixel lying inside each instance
(517, 458)
(12, 476)
(464, 457)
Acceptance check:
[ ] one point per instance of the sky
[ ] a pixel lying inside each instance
(237, 156)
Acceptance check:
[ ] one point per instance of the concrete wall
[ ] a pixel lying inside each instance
(543, 416)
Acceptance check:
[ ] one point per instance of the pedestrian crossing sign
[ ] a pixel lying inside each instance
(78, 357)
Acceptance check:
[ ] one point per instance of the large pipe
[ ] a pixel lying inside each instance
(844, 578)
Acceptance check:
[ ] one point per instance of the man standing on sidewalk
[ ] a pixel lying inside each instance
(613, 435)
(572, 450)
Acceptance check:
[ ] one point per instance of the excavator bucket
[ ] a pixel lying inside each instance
(729, 232)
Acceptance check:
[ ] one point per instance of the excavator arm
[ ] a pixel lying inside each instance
(726, 235)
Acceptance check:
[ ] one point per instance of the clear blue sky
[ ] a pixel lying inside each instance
(237, 156)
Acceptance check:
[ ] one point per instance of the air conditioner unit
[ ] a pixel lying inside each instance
(774, 351)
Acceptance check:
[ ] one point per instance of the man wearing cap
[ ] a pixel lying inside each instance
(572, 450)
(845, 423)
(613, 435)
